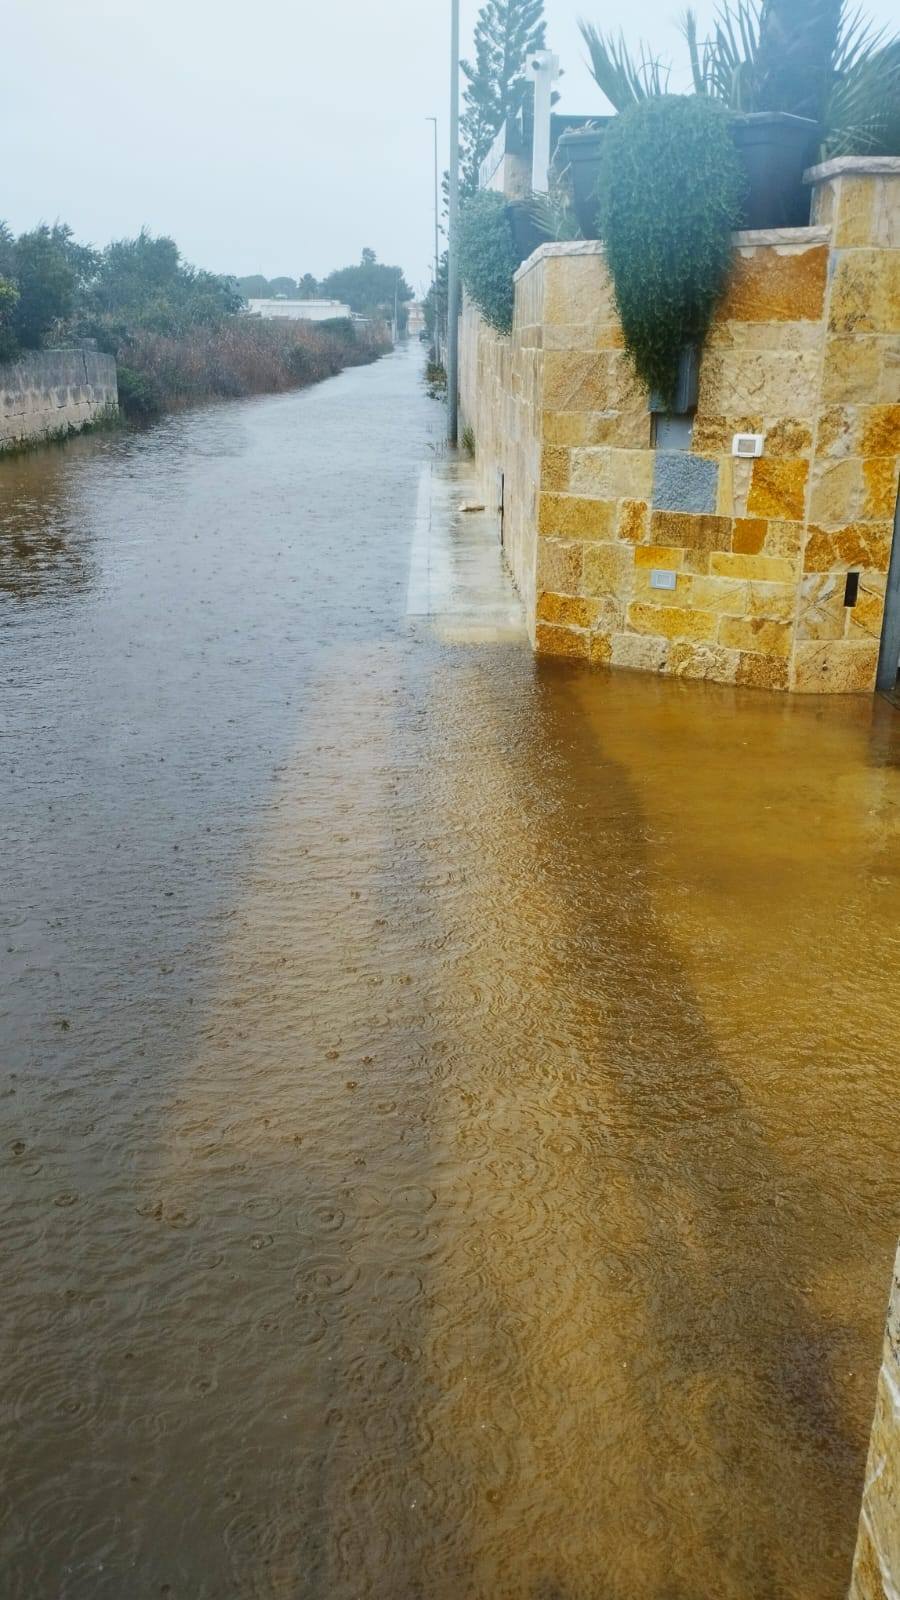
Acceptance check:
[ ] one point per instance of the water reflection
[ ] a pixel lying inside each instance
(43, 547)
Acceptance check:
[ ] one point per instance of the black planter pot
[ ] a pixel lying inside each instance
(775, 149)
(576, 163)
(527, 235)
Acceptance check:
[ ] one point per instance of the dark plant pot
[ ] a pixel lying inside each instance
(577, 163)
(527, 235)
(775, 149)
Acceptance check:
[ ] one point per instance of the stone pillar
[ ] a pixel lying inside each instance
(856, 446)
(545, 66)
(876, 1567)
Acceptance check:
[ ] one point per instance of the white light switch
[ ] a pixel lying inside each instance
(747, 444)
(661, 578)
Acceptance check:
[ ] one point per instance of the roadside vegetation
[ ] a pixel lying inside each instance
(176, 331)
(668, 184)
(236, 356)
(820, 59)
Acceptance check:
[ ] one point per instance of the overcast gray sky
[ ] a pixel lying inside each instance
(278, 138)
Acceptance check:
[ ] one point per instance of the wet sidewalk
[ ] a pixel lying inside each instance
(457, 578)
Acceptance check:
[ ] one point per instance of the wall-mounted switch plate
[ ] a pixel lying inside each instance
(662, 578)
(747, 444)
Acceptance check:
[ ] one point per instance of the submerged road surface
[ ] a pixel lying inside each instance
(450, 1141)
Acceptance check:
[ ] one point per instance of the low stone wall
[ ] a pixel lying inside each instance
(47, 391)
(876, 1569)
(805, 349)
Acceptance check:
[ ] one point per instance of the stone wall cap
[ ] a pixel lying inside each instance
(560, 247)
(747, 237)
(802, 237)
(854, 167)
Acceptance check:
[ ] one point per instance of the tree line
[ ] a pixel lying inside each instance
(173, 328)
(53, 288)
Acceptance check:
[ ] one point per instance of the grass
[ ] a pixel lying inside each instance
(435, 380)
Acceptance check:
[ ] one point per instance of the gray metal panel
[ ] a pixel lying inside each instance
(889, 654)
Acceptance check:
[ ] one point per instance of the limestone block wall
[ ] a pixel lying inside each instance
(500, 390)
(49, 390)
(876, 1568)
(805, 349)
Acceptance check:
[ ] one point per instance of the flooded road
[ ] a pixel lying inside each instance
(450, 1138)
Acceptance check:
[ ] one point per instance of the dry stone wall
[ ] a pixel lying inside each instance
(49, 391)
(805, 349)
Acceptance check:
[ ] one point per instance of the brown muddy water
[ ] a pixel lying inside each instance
(450, 1122)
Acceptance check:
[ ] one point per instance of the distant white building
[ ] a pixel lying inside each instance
(298, 310)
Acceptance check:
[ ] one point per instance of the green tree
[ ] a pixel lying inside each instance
(9, 299)
(144, 283)
(368, 288)
(308, 287)
(253, 287)
(506, 34)
(435, 304)
(46, 268)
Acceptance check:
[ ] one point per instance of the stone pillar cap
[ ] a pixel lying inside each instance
(854, 167)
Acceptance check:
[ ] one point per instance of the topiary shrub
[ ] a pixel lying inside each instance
(488, 257)
(671, 192)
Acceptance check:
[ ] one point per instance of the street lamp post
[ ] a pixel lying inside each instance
(453, 263)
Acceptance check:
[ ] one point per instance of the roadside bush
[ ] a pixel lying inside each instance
(239, 356)
(139, 396)
(341, 327)
(672, 190)
(488, 257)
(9, 299)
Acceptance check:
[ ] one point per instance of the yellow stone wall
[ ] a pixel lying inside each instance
(876, 1568)
(805, 349)
(500, 387)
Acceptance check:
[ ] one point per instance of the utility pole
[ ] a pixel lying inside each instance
(453, 272)
(437, 257)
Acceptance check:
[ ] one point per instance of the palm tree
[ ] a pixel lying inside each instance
(813, 58)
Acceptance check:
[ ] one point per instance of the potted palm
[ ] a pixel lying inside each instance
(800, 79)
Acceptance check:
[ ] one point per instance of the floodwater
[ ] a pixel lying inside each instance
(450, 1102)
